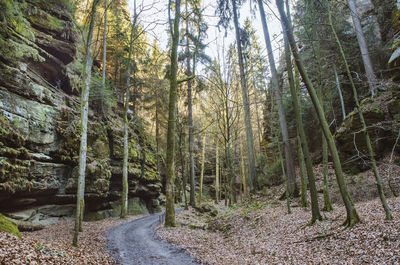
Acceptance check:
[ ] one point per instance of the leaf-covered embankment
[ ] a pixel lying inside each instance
(263, 233)
(52, 245)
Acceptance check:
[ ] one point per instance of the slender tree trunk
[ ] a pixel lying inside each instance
(300, 153)
(369, 71)
(284, 179)
(124, 198)
(316, 215)
(378, 178)
(157, 135)
(170, 174)
(80, 195)
(317, 54)
(243, 171)
(292, 185)
(202, 168)
(246, 107)
(339, 92)
(327, 199)
(352, 215)
(217, 195)
(184, 180)
(303, 175)
(190, 125)
(103, 87)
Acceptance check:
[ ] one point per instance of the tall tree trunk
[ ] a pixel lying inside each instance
(316, 215)
(184, 179)
(170, 155)
(303, 174)
(300, 153)
(246, 106)
(202, 168)
(369, 71)
(352, 215)
(243, 171)
(80, 194)
(124, 198)
(103, 87)
(284, 179)
(325, 189)
(310, 6)
(291, 175)
(217, 196)
(378, 178)
(339, 92)
(190, 123)
(157, 135)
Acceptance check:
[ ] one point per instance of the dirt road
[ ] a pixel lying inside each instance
(135, 243)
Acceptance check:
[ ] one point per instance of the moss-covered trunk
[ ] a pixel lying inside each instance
(80, 196)
(170, 155)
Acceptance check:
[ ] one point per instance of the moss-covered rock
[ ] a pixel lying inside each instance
(351, 140)
(8, 226)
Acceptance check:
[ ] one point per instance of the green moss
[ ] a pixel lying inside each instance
(9, 227)
(9, 135)
(45, 21)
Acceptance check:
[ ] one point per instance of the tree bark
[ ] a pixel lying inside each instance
(352, 215)
(246, 107)
(243, 171)
(291, 175)
(202, 168)
(217, 184)
(80, 196)
(170, 155)
(190, 123)
(369, 71)
(339, 92)
(124, 198)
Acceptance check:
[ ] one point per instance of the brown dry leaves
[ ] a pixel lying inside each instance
(53, 245)
(266, 234)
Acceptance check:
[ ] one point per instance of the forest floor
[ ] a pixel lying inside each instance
(261, 232)
(53, 244)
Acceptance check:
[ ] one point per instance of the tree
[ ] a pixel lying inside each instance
(173, 84)
(369, 71)
(316, 215)
(378, 178)
(352, 215)
(226, 12)
(315, 43)
(170, 152)
(202, 167)
(104, 57)
(217, 191)
(80, 195)
(124, 199)
(291, 175)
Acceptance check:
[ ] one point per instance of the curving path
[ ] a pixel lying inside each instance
(136, 243)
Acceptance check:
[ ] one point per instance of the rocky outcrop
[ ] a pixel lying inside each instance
(39, 122)
(381, 116)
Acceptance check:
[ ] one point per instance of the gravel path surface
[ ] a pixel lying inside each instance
(136, 243)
